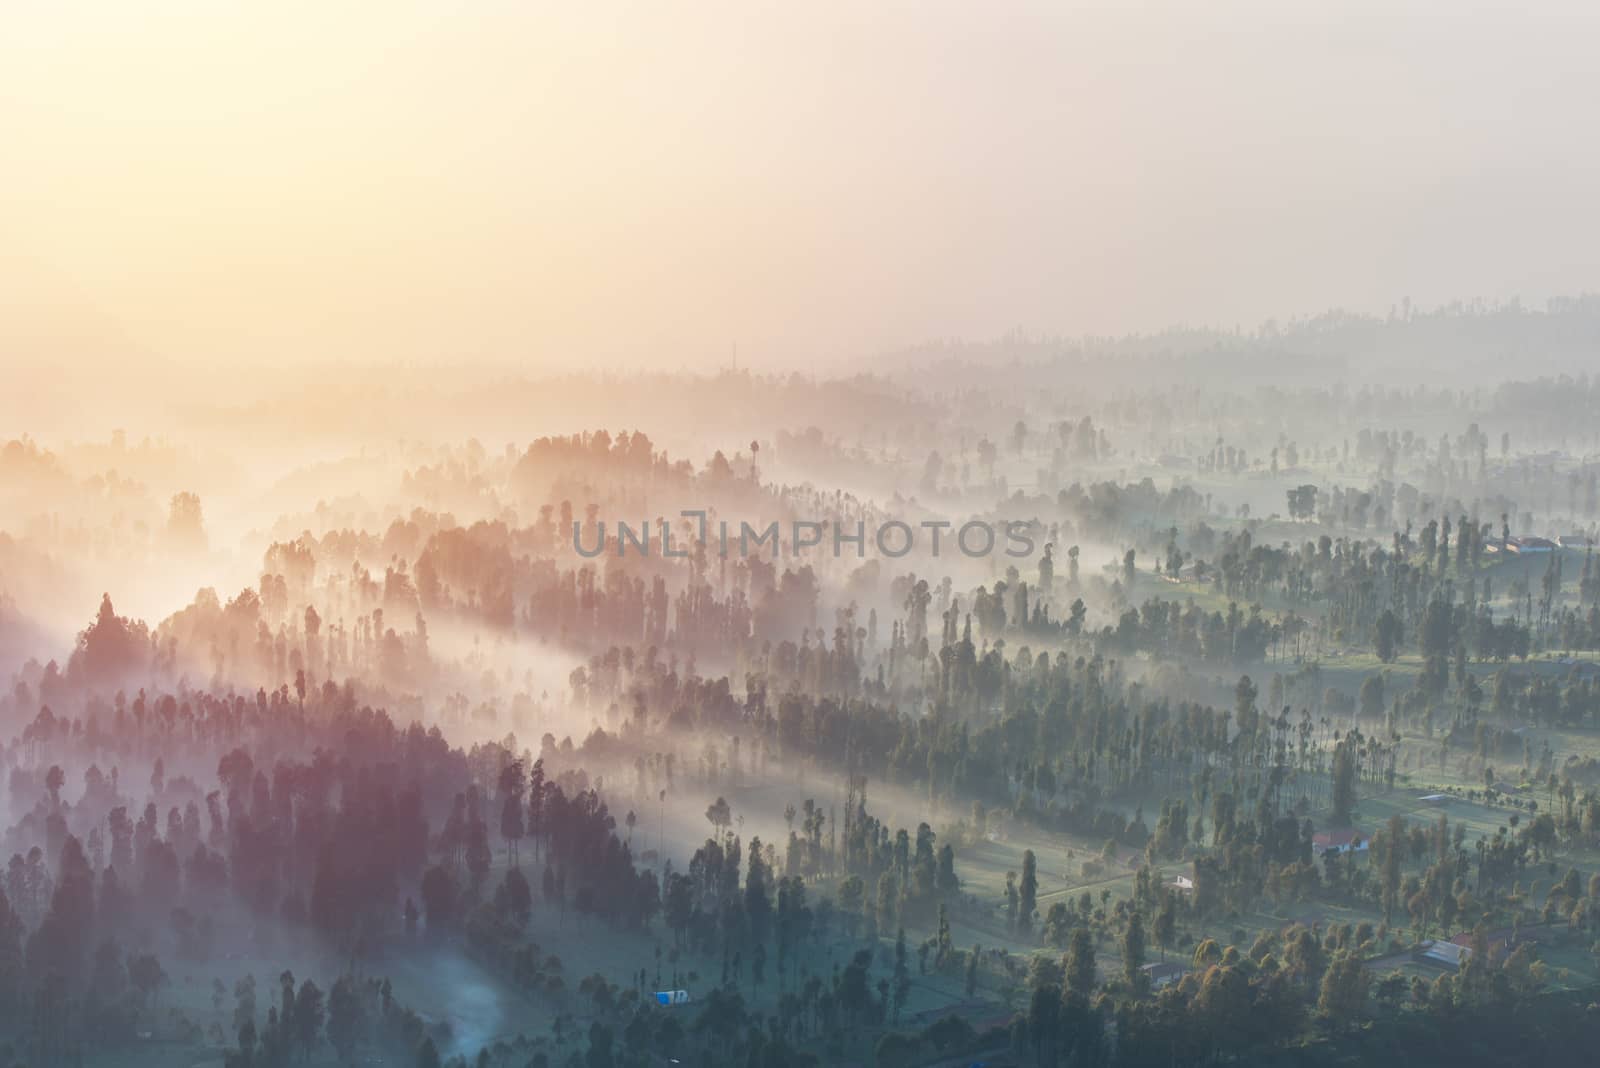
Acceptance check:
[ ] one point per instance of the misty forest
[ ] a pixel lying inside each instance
(438, 720)
(846, 534)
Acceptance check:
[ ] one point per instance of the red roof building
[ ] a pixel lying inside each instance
(1347, 840)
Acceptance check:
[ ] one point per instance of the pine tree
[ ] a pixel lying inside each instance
(902, 973)
(1166, 923)
(1079, 979)
(1133, 953)
(12, 969)
(1028, 892)
(1344, 780)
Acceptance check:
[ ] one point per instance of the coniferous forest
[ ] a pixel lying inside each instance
(540, 538)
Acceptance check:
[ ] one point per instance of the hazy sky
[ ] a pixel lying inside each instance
(583, 183)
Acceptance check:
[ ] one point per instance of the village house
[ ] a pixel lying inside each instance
(1530, 544)
(1163, 973)
(1346, 840)
(1444, 954)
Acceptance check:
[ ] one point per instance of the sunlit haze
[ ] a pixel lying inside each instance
(558, 185)
(807, 535)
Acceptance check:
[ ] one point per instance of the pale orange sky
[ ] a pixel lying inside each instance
(622, 185)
